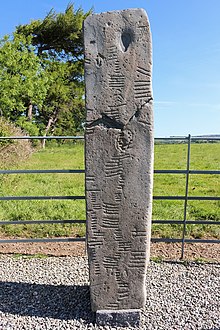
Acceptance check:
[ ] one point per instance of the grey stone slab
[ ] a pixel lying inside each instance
(119, 318)
(119, 156)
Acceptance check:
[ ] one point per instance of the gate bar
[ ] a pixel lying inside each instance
(39, 171)
(32, 222)
(186, 196)
(27, 198)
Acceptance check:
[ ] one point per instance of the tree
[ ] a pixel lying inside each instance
(41, 76)
(59, 34)
(23, 82)
(58, 42)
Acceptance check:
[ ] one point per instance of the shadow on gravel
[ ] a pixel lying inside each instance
(40, 300)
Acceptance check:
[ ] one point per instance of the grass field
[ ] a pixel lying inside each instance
(204, 156)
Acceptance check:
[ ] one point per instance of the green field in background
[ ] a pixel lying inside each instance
(204, 156)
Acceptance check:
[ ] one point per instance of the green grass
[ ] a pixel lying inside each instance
(70, 156)
(29, 256)
(204, 156)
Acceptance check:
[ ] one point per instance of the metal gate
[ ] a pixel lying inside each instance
(187, 172)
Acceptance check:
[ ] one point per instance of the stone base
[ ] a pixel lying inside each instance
(119, 318)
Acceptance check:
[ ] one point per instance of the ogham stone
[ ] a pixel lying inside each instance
(119, 157)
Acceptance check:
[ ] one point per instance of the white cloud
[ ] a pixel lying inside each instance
(166, 104)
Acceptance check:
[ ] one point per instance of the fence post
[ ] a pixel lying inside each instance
(186, 195)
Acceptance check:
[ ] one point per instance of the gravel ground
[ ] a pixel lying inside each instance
(163, 251)
(52, 293)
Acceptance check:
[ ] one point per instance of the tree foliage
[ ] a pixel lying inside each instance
(58, 34)
(41, 74)
(22, 78)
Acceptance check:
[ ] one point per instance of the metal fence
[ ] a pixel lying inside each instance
(187, 172)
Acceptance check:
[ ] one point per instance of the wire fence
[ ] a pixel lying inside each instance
(187, 172)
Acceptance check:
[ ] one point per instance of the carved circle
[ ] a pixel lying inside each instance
(124, 140)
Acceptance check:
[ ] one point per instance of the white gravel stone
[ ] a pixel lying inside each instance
(53, 293)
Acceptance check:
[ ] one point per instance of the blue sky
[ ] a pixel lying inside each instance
(186, 56)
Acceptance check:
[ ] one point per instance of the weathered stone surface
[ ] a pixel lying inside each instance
(119, 156)
(120, 318)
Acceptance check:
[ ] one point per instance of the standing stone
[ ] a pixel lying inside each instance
(119, 160)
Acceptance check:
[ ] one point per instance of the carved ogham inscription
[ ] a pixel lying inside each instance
(142, 84)
(119, 157)
(112, 53)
